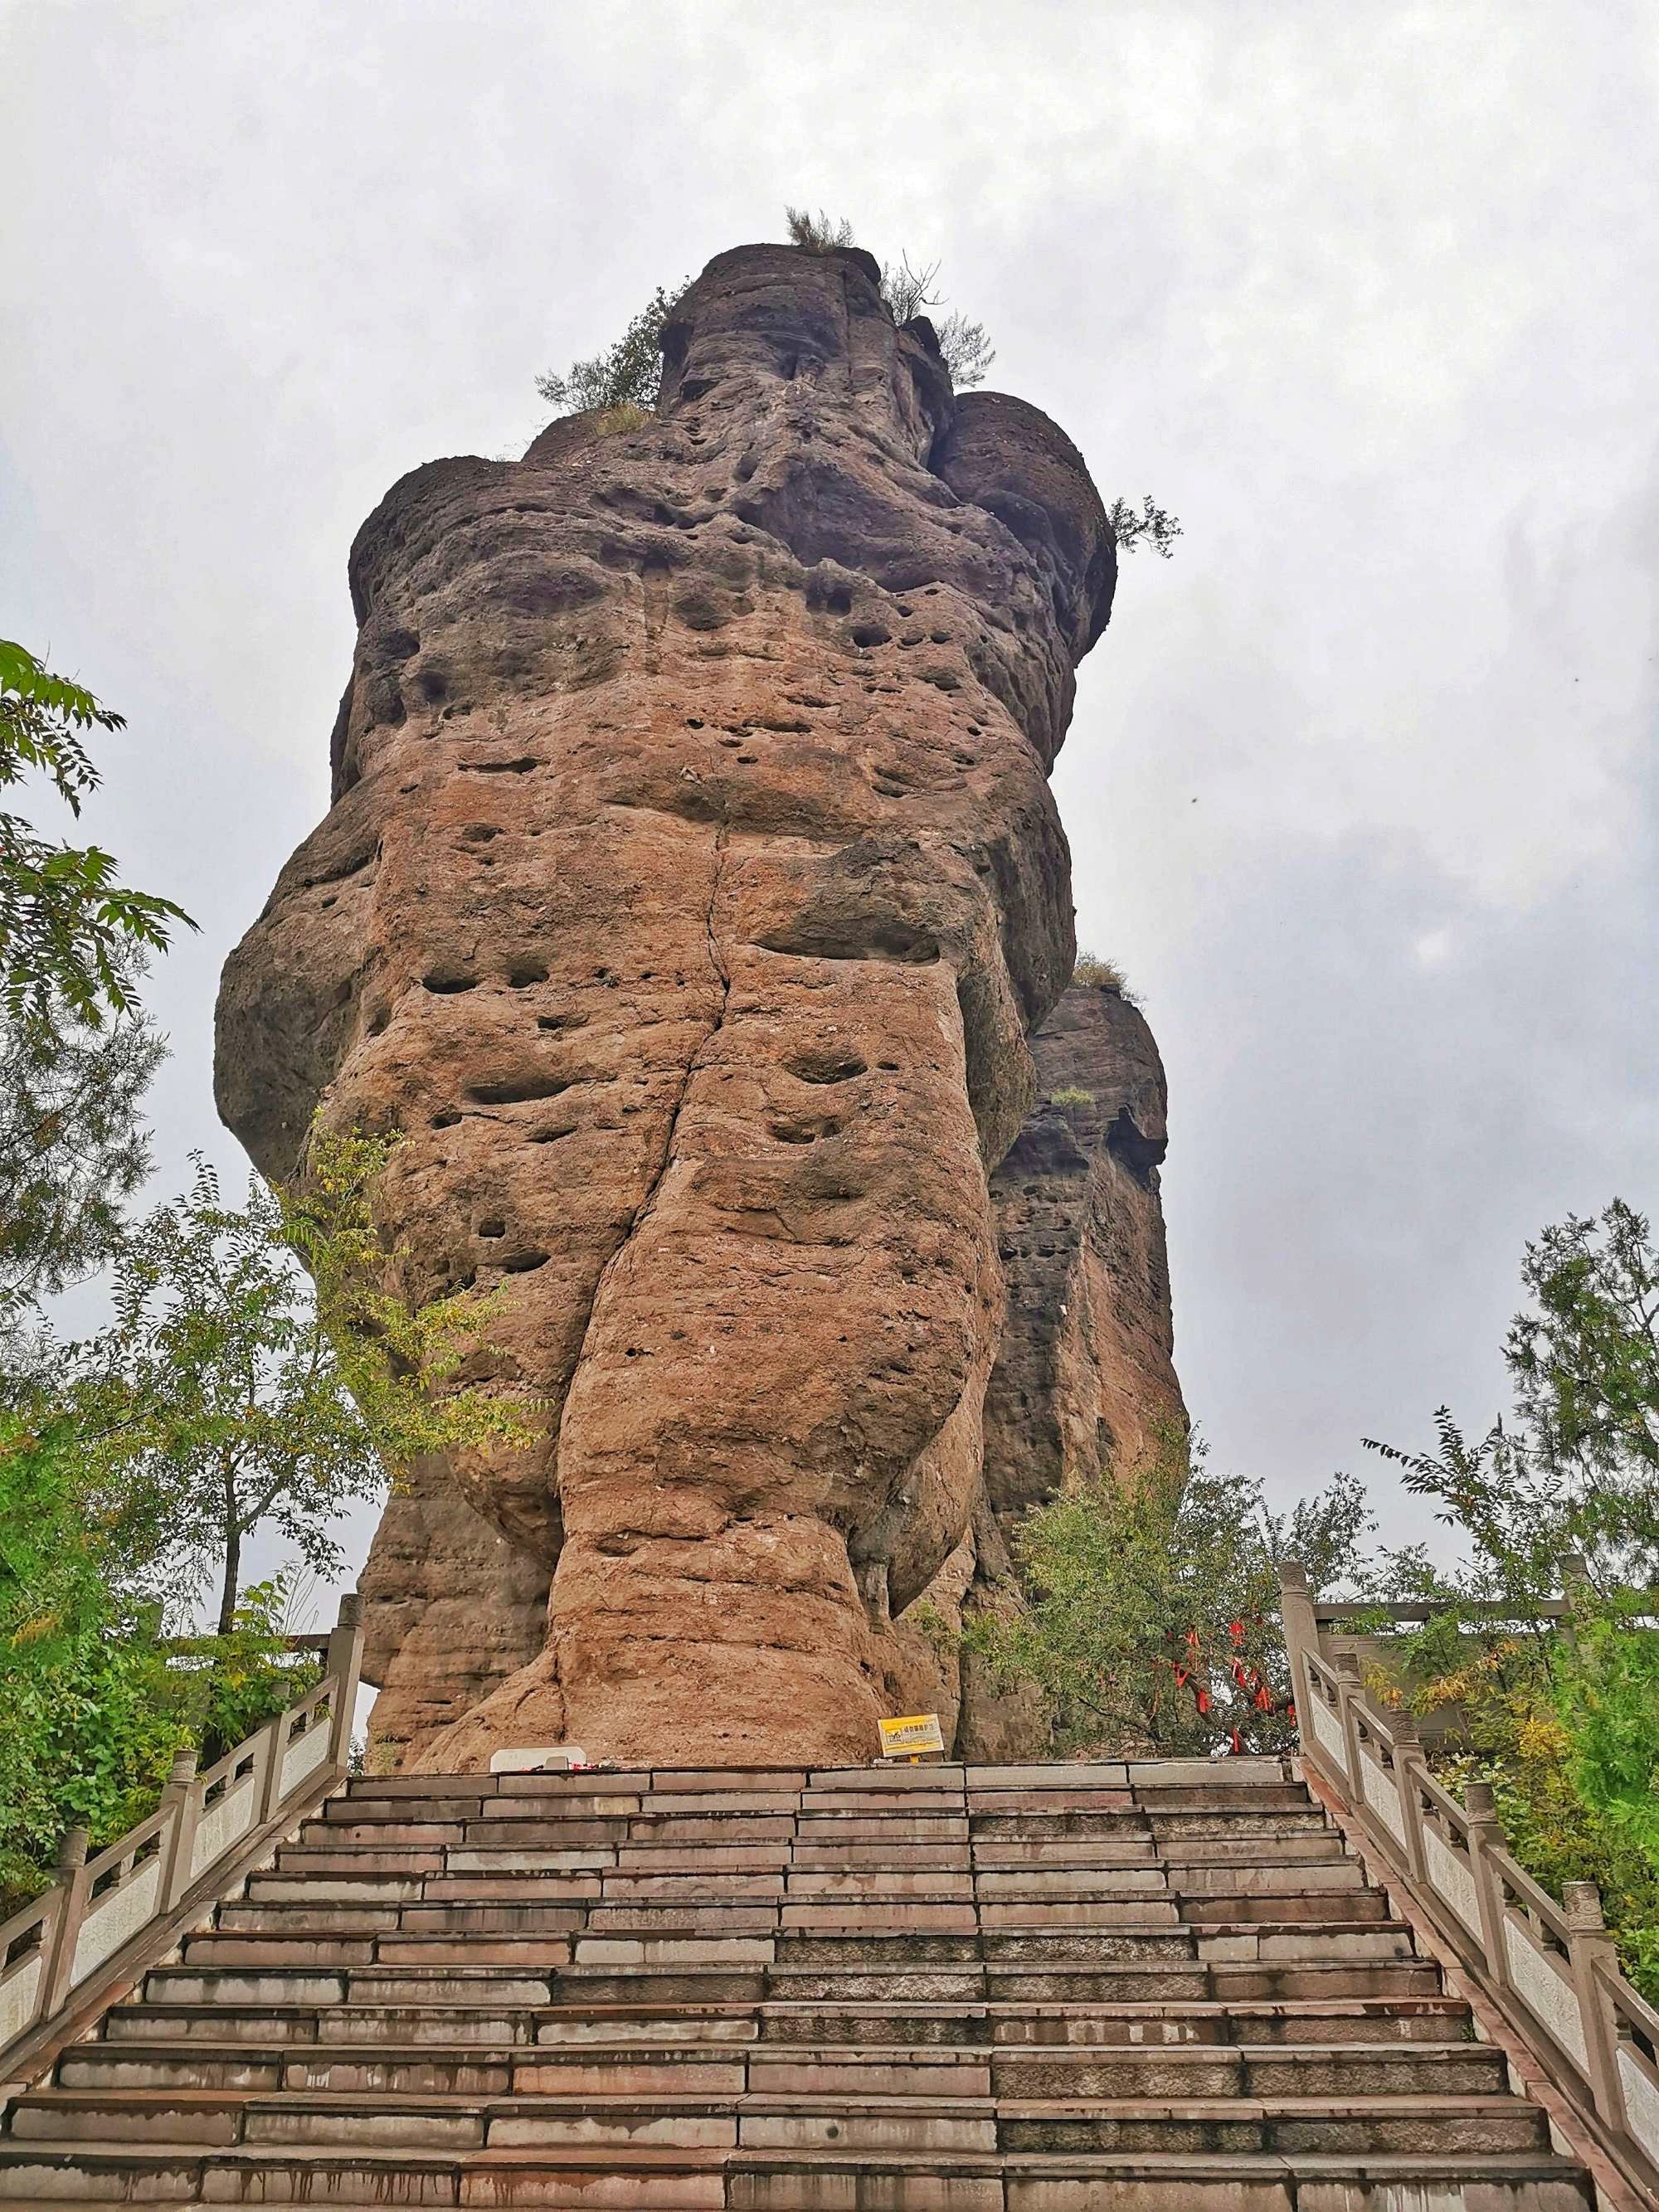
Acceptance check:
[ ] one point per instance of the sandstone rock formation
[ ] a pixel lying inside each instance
(691, 886)
(451, 1609)
(1084, 1380)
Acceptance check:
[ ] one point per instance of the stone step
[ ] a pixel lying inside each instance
(1364, 2050)
(1319, 1864)
(460, 2002)
(935, 1989)
(811, 2118)
(758, 2181)
(714, 2121)
(299, 1919)
(1466, 2126)
(301, 1951)
(1341, 1902)
(602, 1883)
(516, 1916)
(1069, 2075)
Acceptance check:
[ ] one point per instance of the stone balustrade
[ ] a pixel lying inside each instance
(109, 1915)
(1547, 1965)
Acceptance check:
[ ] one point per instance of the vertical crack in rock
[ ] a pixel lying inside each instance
(665, 1161)
(827, 611)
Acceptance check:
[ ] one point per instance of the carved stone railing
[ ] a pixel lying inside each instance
(1549, 1968)
(108, 1918)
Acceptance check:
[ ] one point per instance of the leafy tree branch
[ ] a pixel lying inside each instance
(68, 926)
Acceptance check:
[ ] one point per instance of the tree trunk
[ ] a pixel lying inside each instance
(232, 1571)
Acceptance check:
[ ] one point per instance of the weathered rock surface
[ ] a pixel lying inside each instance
(691, 886)
(451, 1609)
(1085, 1379)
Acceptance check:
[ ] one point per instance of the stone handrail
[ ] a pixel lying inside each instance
(1549, 1967)
(110, 1917)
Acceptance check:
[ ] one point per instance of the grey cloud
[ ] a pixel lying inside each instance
(1366, 295)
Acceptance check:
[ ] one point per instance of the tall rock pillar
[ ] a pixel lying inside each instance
(691, 885)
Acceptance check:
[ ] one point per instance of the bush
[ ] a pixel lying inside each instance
(1150, 1616)
(1071, 1095)
(1098, 974)
(92, 1721)
(626, 414)
(817, 234)
(95, 1705)
(1566, 1728)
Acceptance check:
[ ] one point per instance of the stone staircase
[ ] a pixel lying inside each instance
(1158, 1988)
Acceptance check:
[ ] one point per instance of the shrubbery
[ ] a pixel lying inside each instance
(1150, 1613)
(1096, 973)
(95, 1703)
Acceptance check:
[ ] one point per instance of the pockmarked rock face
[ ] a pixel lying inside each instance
(691, 886)
(1084, 1382)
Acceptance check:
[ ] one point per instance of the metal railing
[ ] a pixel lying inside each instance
(1549, 1967)
(110, 1917)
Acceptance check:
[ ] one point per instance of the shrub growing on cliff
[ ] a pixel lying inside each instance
(1152, 526)
(966, 350)
(820, 233)
(627, 374)
(1098, 974)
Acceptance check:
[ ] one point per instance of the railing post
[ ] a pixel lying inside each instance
(59, 1975)
(1486, 1836)
(269, 1779)
(1350, 1691)
(1301, 1637)
(345, 1663)
(1589, 1946)
(182, 1798)
(1408, 1763)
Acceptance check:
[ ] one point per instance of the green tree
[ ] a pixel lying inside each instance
(1150, 1616)
(1152, 526)
(1562, 1720)
(227, 1394)
(73, 1149)
(67, 927)
(1585, 1363)
(627, 374)
(87, 1735)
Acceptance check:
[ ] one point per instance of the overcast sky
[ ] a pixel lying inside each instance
(1361, 787)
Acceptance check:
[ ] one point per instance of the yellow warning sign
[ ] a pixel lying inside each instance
(917, 1733)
